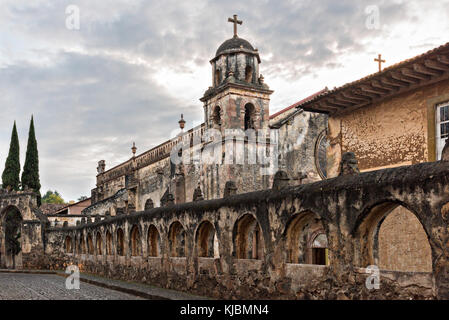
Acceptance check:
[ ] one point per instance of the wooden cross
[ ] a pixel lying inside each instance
(380, 62)
(235, 22)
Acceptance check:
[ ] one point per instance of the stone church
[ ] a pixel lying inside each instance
(237, 124)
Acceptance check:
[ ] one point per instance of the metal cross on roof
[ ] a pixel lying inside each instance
(235, 21)
(380, 62)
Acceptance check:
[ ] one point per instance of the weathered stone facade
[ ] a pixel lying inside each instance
(29, 230)
(253, 245)
(235, 107)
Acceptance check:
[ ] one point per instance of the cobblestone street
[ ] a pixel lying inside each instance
(17, 286)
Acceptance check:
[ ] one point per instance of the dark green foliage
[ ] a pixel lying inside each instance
(30, 174)
(11, 173)
(52, 197)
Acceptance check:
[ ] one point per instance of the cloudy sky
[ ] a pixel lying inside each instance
(134, 66)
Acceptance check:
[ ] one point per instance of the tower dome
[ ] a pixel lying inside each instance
(234, 43)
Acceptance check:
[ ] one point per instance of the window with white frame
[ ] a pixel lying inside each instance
(442, 126)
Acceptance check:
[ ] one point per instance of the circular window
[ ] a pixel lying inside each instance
(321, 154)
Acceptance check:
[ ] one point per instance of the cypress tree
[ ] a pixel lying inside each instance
(30, 174)
(11, 173)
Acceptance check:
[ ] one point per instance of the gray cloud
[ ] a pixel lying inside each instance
(91, 99)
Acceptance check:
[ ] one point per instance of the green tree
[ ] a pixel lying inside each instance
(30, 174)
(11, 173)
(52, 197)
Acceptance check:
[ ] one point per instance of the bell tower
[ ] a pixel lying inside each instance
(238, 97)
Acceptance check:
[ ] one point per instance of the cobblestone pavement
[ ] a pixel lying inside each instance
(18, 286)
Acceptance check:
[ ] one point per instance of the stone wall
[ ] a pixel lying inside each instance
(255, 232)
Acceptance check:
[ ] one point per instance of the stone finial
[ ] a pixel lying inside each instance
(182, 122)
(134, 149)
(131, 208)
(198, 194)
(101, 166)
(169, 200)
(302, 176)
(230, 77)
(281, 180)
(230, 189)
(261, 79)
(445, 153)
(349, 164)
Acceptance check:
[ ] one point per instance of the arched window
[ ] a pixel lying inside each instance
(68, 245)
(154, 241)
(109, 250)
(99, 244)
(216, 118)
(177, 240)
(149, 204)
(306, 240)
(248, 74)
(249, 116)
(120, 242)
(136, 244)
(206, 240)
(248, 240)
(318, 249)
(90, 244)
(391, 237)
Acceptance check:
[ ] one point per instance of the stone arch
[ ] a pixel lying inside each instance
(306, 239)
(177, 240)
(135, 241)
(109, 247)
(206, 240)
(249, 119)
(149, 204)
(248, 238)
(68, 244)
(11, 237)
(120, 246)
(90, 244)
(391, 236)
(153, 242)
(99, 243)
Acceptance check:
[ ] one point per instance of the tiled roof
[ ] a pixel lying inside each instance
(49, 208)
(419, 68)
(299, 103)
